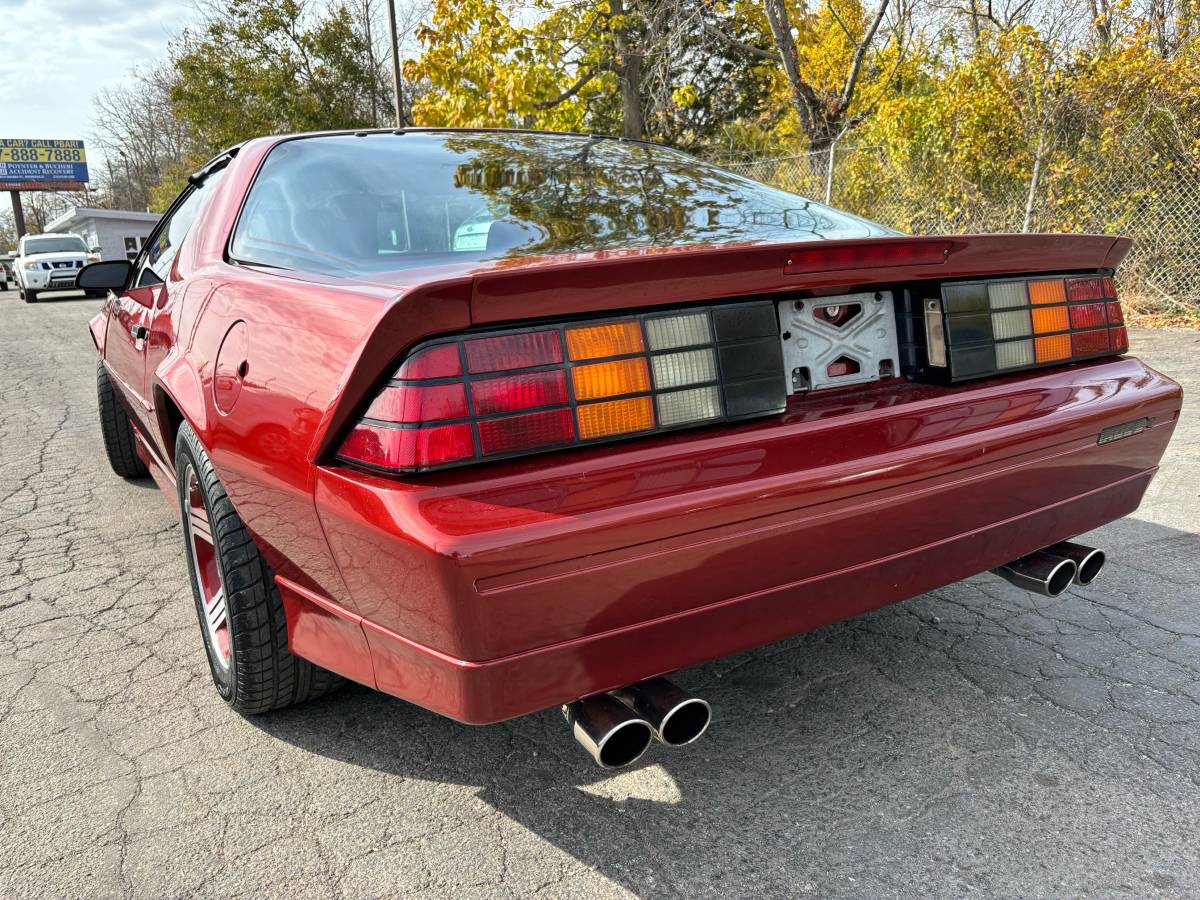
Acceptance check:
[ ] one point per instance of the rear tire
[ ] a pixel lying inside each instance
(120, 446)
(237, 602)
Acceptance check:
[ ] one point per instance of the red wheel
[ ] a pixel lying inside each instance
(238, 605)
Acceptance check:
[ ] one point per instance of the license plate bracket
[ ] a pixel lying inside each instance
(835, 341)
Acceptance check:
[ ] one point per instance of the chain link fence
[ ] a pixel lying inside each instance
(1154, 201)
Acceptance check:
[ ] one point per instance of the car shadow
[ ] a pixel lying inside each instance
(872, 750)
(65, 297)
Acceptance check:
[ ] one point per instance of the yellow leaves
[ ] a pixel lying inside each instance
(487, 65)
(685, 96)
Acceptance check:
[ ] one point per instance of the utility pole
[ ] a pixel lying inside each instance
(396, 95)
(18, 213)
(371, 60)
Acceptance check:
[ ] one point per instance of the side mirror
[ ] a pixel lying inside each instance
(110, 275)
(94, 250)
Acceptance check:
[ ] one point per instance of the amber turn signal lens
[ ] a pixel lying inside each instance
(611, 379)
(1050, 291)
(1050, 318)
(1055, 347)
(600, 341)
(615, 417)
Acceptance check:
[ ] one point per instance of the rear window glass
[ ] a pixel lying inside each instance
(354, 205)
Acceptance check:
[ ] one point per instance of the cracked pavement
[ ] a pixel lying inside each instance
(974, 740)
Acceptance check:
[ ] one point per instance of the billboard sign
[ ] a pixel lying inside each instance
(35, 165)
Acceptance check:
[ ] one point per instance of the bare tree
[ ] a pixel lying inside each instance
(141, 138)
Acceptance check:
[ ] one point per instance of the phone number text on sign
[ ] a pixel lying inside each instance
(42, 161)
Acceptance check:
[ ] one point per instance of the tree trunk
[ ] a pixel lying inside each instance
(629, 71)
(1033, 183)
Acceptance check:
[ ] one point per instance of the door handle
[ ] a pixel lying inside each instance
(139, 332)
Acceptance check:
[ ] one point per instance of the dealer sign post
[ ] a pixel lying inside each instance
(36, 165)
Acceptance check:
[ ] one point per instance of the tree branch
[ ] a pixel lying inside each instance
(580, 83)
(860, 53)
(803, 96)
(742, 45)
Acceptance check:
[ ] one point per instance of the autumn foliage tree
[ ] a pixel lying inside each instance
(639, 68)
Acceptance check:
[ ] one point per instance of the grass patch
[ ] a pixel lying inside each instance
(1160, 311)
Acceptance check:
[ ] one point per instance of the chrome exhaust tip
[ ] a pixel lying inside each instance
(608, 730)
(1039, 572)
(676, 716)
(1088, 560)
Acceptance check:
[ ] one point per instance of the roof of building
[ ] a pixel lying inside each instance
(77, 214)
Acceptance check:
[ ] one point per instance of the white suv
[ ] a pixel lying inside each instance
(49, 262)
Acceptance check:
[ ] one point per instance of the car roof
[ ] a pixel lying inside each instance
(443, 129)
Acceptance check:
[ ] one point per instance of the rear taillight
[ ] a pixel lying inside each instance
(490, 396)
(981, 328)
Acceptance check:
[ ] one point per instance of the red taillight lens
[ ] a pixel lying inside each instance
(513, 392)
(1089, 343)
(524, 391)
(514, 351)
(408, 448)
(1088, 315)
(1085, 289)
(420, 403)
(533, 431)
(432, 362)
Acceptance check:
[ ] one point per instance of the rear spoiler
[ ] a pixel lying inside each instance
(652, 277)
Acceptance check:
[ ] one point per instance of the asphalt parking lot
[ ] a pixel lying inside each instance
(977, 740)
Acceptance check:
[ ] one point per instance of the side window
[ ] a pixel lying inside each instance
(160, 249)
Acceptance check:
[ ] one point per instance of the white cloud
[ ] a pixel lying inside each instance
(59, 53)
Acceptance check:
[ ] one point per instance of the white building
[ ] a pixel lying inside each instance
(118, 233)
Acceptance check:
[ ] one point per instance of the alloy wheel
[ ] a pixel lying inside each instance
(203, 554)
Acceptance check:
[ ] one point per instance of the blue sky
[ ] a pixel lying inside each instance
(59, 53)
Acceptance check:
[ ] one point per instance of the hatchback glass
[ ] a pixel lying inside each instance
(359, 204)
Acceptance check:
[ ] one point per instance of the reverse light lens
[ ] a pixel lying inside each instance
(670, 332)
(1014, 354)
(1006, 294)
(695, 405)
(611, 379)
(615, 417)
(689, 367)
(599, 341)
(1011, 324)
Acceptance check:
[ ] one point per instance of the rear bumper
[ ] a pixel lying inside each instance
(488, 594)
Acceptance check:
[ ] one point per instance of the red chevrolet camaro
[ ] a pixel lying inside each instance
(495, 421)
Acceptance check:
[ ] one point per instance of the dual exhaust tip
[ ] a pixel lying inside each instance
(1051, 571)
(617, 728)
